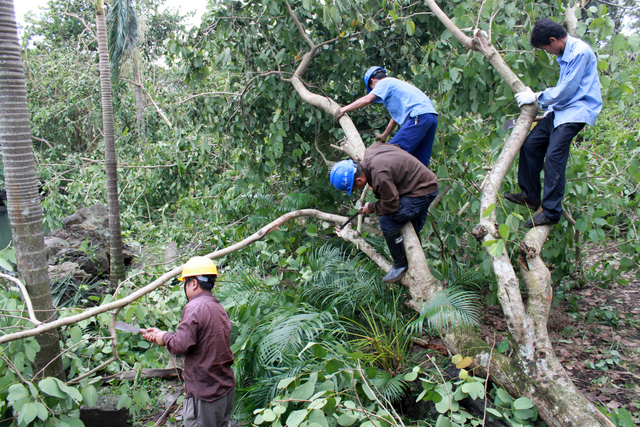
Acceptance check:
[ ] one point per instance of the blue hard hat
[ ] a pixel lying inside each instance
(342, 175)
(369, 73)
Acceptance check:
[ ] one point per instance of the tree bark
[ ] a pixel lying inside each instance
(116, 271)
(23, 199)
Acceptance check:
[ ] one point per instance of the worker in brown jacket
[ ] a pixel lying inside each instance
(404, 188)
(203, 336)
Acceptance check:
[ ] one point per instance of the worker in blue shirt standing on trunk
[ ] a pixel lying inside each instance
(409, 107)
(574, 101)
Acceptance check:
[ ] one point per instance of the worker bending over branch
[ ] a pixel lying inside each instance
(404, 188)
(203, 336)
(409, 107)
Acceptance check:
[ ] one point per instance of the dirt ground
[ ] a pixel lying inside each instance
(596, 336)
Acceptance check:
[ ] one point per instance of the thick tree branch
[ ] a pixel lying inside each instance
(352, 145)
(44, 327)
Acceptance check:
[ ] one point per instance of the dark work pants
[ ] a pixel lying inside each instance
(200, 413)
(417, 138)
(554, 144)
(414, 209)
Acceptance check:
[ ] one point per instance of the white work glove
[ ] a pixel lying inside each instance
(526, 97)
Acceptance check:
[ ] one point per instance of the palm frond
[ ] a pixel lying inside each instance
(122, 26)
(288, 334)
(295, 201)
(395, 389)
(342, 282)
(448, 309)
(245, 288)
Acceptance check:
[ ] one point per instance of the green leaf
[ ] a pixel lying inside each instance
(269, 415)
(89, 396)
(474, 389)
(369, 392)
(522, 403)
(43, 413)
(523, 414)
(5, 265)
(347, 419)
(76, 334)
(69, 391)
(296, 417)
(17, 392)
(411, 376)
(488, 210)
(497, 248)
(27, 413)
(285, 382)
(410, 27)
(626, 420)
(503, 346)
(335, 15)
(634, 41)
(494, 413)
(504, 396)
(72, 422)
(443, 421)
(504, 231)
(304, 391)
(443, 406)
(317, 418)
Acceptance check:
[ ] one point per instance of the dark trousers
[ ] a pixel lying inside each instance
(200, 413)
(417, 138)
(414, 209)
(554, 144)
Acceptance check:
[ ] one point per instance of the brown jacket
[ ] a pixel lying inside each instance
(203, 337)
(393, 173)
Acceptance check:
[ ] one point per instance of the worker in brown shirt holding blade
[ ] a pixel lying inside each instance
(203, 337)
(404, 188)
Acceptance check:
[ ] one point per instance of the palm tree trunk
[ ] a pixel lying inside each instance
(116, 272)
(23, 200)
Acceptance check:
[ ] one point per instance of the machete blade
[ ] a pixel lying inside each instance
(127, 327)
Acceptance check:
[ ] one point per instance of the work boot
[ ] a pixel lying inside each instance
(540, 219)
(400, 266)
(519, 199)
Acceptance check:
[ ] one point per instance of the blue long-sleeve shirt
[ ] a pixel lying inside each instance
(576, 98)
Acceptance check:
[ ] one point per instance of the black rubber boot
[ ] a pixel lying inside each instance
(396, 249)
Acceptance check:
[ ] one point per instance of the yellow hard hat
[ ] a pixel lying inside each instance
(198, 266)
